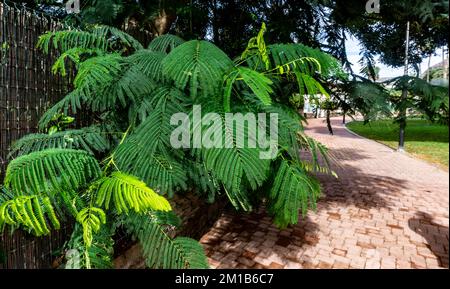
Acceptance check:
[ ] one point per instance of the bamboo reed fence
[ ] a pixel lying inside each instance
(27, 89)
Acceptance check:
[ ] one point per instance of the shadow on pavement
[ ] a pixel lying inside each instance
(435, 235)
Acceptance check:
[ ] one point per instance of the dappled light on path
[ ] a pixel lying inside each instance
(386, 210)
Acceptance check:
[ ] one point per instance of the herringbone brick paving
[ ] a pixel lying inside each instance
(386, 210)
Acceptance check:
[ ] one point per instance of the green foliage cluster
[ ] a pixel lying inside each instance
(132, 92)
(428, 99)
(375, 100)
(43, 187)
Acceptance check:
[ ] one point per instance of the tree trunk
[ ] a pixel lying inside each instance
(330, 129)
(428, 69)
(145, 31)
(444, 65)
(402, 113)
(215, 25)
(162, 23)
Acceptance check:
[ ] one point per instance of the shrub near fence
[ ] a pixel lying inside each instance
(27, 89)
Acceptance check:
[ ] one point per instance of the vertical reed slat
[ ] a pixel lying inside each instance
(27, 88)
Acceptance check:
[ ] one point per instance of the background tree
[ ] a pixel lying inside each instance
(325, 24)
(383, 34)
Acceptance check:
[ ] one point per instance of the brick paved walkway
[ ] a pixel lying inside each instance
(386, 210)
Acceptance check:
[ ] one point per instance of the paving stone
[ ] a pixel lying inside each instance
(388, 262)
(386, 210)
(340, 265)
(339, 252)
(274, 265)
(373, 264)
(324, 265)
(293, 265)
(246, 262)
(358, 262)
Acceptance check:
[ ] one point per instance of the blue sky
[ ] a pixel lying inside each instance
(352, 46)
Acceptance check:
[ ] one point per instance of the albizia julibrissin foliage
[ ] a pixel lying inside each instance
(131, 92)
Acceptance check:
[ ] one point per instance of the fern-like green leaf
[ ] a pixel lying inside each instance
(165, 43)
(259, 84)
(161, 251)
(90, 139)
(5, 195)
(308, 85)
(231, 166)
(236, 164)
(72, 101)
(108, 79)
(162, 172)
(51, 170)
(91, 219)
(199, 66)
(130, 84)
(147, 153)
(204, 180)
(68, 39)
(33, 213)
(292, 190)
(149, 63)
(98, 256)
(96, 71)
(192, 253)
(74, 54)
(319, 153)
(115, 35)
(289, 128)
(166, 218)
(99, 37)
(128, 192)
(257, 46)
(282, 54)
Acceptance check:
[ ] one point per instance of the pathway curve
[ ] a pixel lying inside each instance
(386, 210)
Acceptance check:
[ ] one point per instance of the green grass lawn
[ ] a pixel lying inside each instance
(423, 139)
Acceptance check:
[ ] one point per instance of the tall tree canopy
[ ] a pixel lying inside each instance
(316, 23)
(384, 33)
